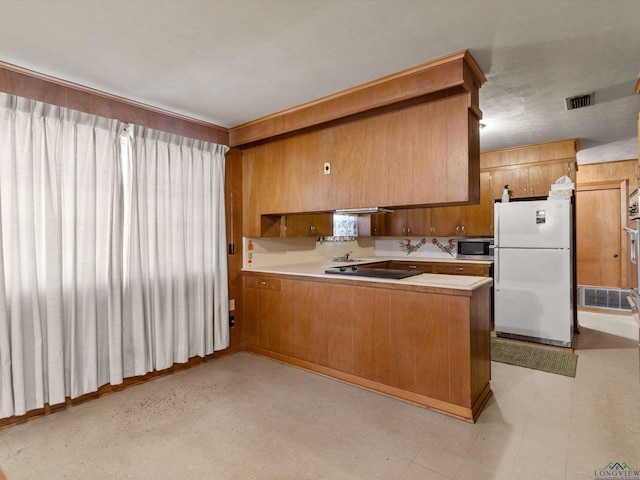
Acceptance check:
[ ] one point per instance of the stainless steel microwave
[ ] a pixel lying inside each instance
(470, 248)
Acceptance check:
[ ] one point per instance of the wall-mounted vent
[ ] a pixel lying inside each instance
(580, 101)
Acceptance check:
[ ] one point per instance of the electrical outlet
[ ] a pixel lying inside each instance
(232, 321)
(327, 168)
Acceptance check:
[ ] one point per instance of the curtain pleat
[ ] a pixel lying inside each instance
(59, 189)
(177, 273)
(112, 252)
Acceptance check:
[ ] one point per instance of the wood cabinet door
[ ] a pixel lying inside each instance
(396, 223)
(374, 225)
(278, 310)
(516, 178)
(424, 267)
(250, 315)
(408, 222)
(358, 165)
(474, 269)
(598, 235)
(477, 220)
(445, 222)
(311, 225)
(542, 176)
(311, 323)
(518, 181)
(422, 320)
(418, 222)
(261, 310)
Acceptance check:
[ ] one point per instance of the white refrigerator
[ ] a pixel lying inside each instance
(533, 291)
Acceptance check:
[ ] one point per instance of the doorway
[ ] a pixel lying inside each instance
(601, 245)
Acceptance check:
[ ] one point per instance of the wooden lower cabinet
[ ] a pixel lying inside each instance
(448, 268)
(424, 267)
(431, 348)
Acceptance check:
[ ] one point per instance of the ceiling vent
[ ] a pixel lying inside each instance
(580, 101)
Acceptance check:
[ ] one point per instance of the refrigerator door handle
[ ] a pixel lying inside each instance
(633, 237)
(496, 269)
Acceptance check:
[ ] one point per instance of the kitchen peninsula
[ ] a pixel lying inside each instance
(424, 339)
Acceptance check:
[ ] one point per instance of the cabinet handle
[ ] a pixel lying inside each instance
(408, 230)
(463, 229)
(525, 191)
(412, 267)
(459, 269)
(457, 230)
(532, 191)
(262, 283)
(312, 230)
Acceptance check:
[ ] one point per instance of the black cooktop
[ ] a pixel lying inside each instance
(388, 273)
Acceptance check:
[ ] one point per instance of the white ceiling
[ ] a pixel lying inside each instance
(231, 61)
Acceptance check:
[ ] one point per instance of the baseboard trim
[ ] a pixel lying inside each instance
(109, 389)
(463, 413)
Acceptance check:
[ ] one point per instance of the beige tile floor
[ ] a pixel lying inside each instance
(246, 417)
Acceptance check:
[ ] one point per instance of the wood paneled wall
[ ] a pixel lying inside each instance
(233, 197)
(609, 171)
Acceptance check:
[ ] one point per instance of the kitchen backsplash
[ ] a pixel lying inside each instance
(414, 247)
(267, 252)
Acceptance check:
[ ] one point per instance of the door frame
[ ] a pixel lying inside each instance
(623, 186)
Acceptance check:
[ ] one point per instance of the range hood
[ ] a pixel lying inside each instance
(362, 211)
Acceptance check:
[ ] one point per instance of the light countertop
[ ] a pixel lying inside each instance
(316, 269)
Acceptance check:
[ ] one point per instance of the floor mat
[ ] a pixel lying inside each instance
(537, 357)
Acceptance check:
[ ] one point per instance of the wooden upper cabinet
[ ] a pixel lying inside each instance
(477, 220)
(310, 225)
(408, 222)
(445, 222)
(530, 181)
(516, 178)
(406, 140)
(543, 176)
(530, 170)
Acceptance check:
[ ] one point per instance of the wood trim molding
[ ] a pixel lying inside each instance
(523, 147)
(516, 166)
(458, 69)
(606, 185)
(27, 83)
(454, 291)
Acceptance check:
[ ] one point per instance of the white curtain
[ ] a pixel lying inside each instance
(175, 250)
(60, 254)
(101, 275)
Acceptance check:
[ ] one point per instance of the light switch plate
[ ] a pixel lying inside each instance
(232, 305)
